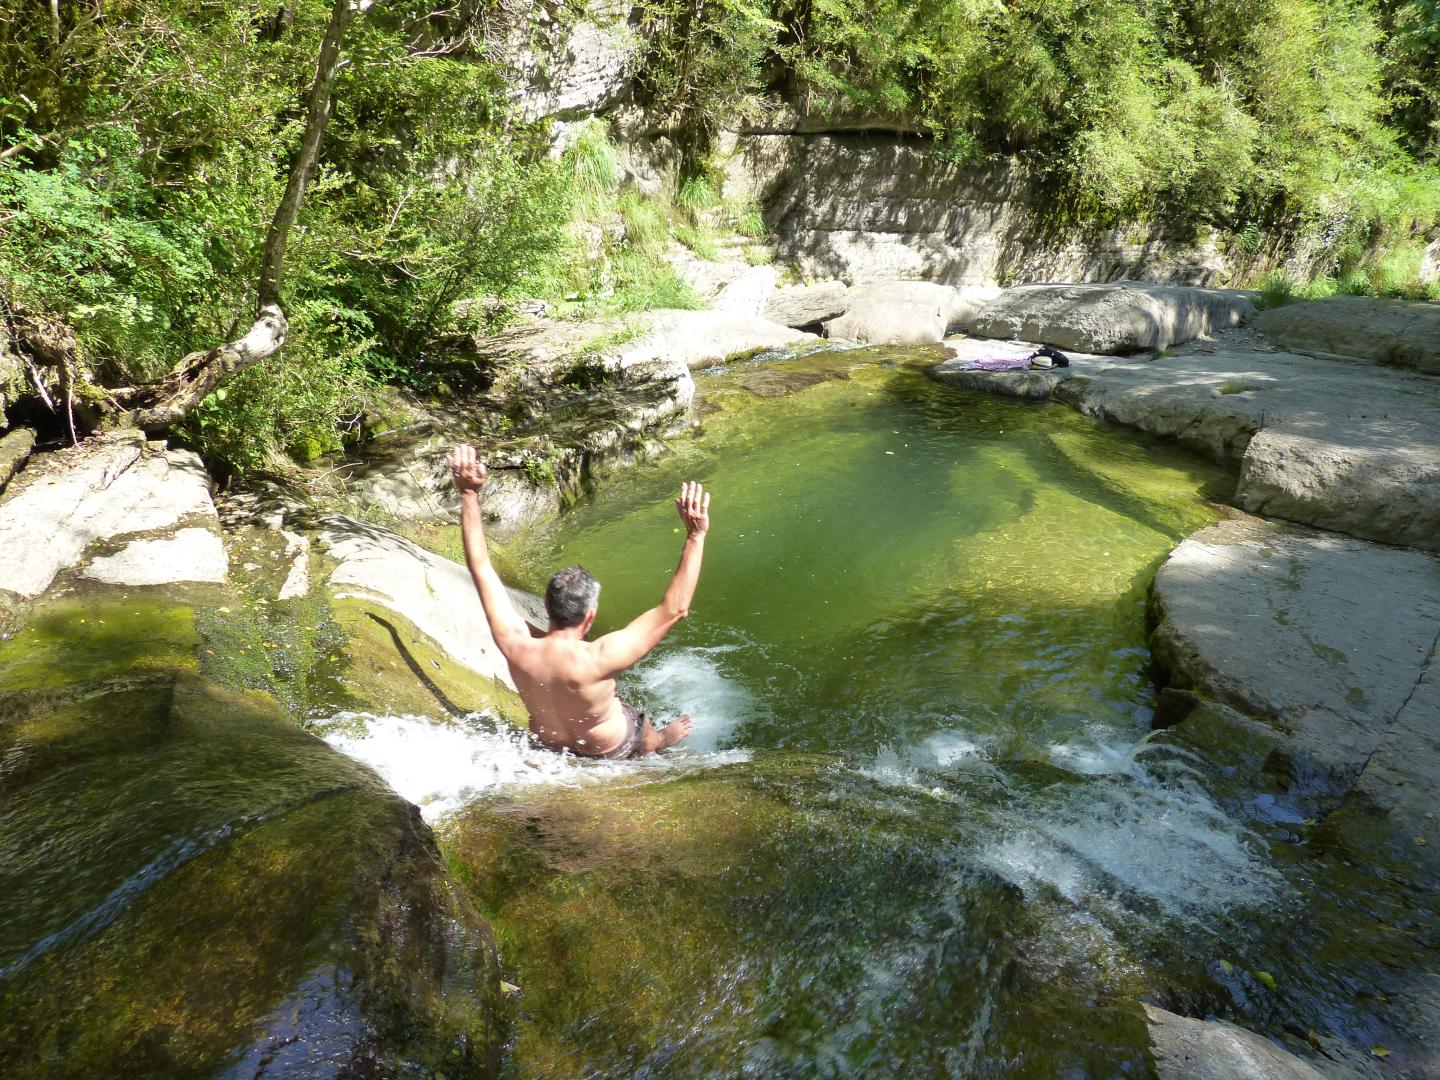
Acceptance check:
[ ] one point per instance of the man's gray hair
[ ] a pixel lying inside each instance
(570, 596)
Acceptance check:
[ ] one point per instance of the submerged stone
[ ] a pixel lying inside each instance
(1215, 1050)
(781, 917)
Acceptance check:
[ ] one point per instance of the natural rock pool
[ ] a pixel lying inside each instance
(919, 829)
(894, 565)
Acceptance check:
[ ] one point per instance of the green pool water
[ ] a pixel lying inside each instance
(917, 830)
(890, 560)
(923, 827)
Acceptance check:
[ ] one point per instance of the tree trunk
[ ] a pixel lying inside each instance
(317, 116)
(167, 400)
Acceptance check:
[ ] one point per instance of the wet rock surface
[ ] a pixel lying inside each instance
(1403, 333)
(187, 873)
(1124, 317)
(1188, 1049)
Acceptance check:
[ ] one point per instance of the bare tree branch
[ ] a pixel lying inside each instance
(167, 400)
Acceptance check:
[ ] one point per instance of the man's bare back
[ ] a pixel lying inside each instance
(566, 682)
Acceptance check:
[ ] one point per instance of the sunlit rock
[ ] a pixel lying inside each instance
(107, 487)
(1123, 317)
(1402, 333)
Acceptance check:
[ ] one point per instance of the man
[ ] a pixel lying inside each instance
(566, 682)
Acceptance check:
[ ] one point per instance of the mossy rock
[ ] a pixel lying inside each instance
(760, 918)
(388, 665)
(193, 883)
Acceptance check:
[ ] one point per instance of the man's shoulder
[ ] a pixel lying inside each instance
(557, 656)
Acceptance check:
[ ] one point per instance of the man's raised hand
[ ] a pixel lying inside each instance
(468, 473)
(694, 507)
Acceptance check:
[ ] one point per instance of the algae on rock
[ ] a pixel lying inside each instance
(188, 873)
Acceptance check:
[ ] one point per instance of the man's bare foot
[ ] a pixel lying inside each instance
(669, 735)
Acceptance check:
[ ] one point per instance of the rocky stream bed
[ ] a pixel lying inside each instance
(198, 885)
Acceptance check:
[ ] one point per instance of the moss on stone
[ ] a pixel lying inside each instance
(387, 664)
(767, 917)
(187, 873)
(611, 909)
(179, 861)
(325, 907)
(105, 634)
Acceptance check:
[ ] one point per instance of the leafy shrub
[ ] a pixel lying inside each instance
(152, 150)
(299, 403)
(1276, 290)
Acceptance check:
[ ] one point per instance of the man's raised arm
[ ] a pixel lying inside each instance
(619, 650)
(506, 625)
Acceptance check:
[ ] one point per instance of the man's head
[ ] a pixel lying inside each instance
(571, 598)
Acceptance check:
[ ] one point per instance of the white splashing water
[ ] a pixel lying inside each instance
(945, 750)
(1097, 753)
(1128, 833)
(440, 765)
(1133, 836)
(689, 680)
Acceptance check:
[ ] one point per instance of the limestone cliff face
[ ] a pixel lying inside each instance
(873, 206)
(854, 197)
(563, 68)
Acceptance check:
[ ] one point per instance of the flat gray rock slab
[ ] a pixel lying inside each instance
(105, 487)
(700, 338)
(1324, 637)
(192, 554)
(806, 305)
(1032, 384)
(435, 594)
(664, 339)
(1186, 1049)
(1405, 333)
(1121, 317)
(905, 312)
(1349, 447)
(1400, 787)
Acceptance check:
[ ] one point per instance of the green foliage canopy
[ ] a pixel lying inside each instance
(147, 143)
(1206, 110)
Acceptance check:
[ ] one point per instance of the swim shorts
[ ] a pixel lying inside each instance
(635, 724)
